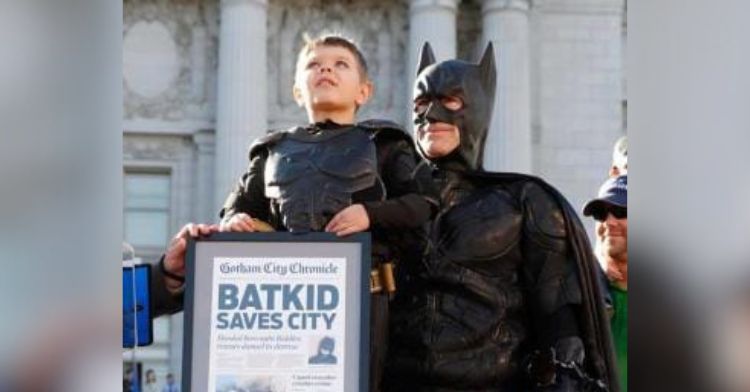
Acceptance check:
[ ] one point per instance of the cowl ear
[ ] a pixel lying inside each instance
(487, 66)
(426, 57)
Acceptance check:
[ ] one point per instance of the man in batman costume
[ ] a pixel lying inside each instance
(505, 296)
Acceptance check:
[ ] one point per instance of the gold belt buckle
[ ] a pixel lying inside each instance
(381, 279)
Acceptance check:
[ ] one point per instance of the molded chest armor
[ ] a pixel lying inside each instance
(311, 177)
(479, 232)
(463, 317)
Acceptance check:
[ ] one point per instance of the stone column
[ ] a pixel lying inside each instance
(506, 24)
(204, 208)
(241, 91)
(433, 21)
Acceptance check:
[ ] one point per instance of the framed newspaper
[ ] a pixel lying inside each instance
(277, 312)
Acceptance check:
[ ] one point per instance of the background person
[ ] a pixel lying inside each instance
(610, 210)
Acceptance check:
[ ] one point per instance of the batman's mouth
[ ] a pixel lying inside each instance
(438, 127)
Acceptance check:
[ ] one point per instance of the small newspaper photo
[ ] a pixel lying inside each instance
(277, 324)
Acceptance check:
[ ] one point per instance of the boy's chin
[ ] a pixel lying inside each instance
(328, 105)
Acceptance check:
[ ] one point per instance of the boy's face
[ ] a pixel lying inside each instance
(329, 79)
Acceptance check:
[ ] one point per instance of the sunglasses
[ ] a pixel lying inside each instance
(600, 215)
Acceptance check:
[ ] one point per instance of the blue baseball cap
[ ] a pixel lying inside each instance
(614, 192)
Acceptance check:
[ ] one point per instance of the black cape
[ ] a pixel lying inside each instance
(597, 336)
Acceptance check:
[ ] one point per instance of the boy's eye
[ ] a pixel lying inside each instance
(452, 103)
(342, 64)
(312, 64)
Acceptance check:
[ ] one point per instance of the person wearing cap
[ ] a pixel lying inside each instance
(610, 211)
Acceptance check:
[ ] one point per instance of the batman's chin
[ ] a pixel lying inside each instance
(436, 145)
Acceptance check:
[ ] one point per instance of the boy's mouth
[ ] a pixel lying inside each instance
(325, 81)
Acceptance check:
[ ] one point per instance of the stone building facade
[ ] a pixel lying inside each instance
(203, 78)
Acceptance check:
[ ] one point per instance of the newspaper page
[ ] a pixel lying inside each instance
(278, 324)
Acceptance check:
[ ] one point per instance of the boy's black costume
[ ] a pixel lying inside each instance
(505, 295)
(298, 179)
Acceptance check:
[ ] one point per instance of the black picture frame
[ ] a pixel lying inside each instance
(320, 242)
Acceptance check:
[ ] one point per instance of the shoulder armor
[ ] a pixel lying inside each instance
(544, 212)
(377, 125)
(271, 137)
(380, 129)
(544, 203)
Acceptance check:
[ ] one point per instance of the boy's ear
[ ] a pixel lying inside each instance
(366, 89)
(297, 94)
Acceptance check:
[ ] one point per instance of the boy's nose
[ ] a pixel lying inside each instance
(325, 69)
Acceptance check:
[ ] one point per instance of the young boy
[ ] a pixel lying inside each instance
(334, 175)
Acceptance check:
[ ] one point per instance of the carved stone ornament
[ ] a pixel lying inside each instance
(170, 59)
(156, 148)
